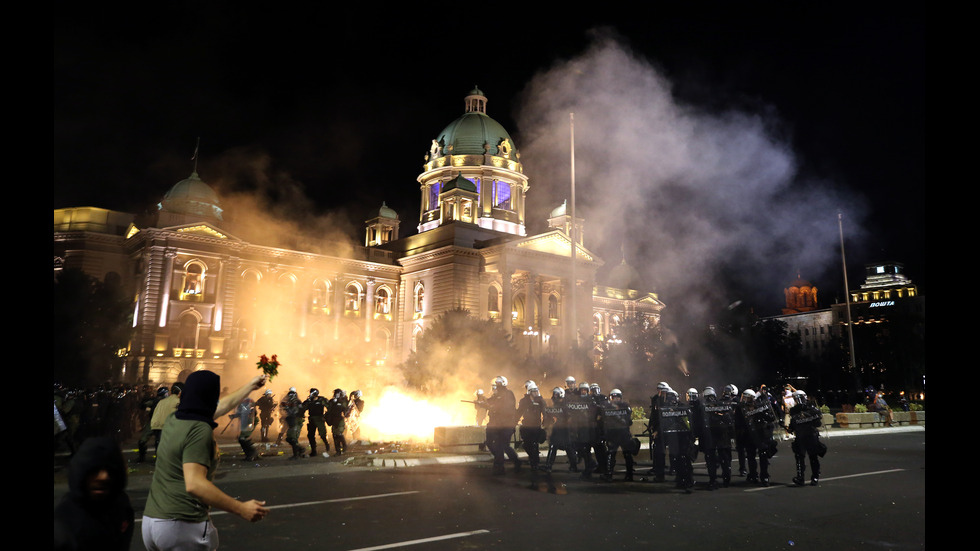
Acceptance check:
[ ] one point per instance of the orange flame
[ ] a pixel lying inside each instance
(398, 416)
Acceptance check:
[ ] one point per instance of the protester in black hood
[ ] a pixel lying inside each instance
(182, 492)
(96, 513)
(199, 399)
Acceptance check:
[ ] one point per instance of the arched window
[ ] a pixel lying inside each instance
(193, 284)
(419, 297)
(188, 331)
(353, 298)
(553, 307)
(493, 299)
(382, 301)
(321, 297)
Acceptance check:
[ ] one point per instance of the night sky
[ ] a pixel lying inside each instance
(343, 105)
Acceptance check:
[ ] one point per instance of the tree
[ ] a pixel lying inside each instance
(91, 324)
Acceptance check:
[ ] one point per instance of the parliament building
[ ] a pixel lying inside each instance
(203, 297)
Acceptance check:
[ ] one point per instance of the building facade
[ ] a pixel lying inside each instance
(203, 297)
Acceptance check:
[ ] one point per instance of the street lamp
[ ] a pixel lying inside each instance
(530, 333)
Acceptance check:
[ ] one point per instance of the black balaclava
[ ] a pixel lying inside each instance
(95, 454)
(199, 399)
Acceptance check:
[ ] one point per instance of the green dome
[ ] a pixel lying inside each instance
(560, 210)
(475, 133)
(624, 276)
(460, 182)
(192, 196)
(384, 212)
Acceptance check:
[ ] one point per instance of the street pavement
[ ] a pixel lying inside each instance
(386, 496)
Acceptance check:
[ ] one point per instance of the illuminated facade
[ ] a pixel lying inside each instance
(204, 298)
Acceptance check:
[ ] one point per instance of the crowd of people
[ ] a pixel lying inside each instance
(593, 429)
(125, 412)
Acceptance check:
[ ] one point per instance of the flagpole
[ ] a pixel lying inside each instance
(571, 232)
(847, 292)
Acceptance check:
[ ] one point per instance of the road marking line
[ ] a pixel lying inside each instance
(337, 500)
(423, 540)
(826, 479)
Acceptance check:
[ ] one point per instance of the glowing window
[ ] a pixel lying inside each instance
(321, 297)
(352, 297)
(193, 285)
(434, 190)
(553, 307)
(501, 195)
(493, 299)
(419, 297)
(382, 301)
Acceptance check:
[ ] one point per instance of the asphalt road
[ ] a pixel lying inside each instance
(871, 496)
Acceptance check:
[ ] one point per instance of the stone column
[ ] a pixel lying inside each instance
(507, 300)
(369, 309)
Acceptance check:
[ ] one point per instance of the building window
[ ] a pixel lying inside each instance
(352, 299)
(434, 190)
(419, 297)
(382, 301)
(501, 196)
(493, 299)
(193, 284)
(553, 307)
(321, 297)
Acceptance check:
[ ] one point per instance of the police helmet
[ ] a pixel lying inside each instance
(583, 386)
(692, 393)
(671, 397)
(162, 392)
(357, 394)
(730, 390)
(662, 387)
(479, 392)
(528, 384)
(569, 382)
(800, 397)
(748, 393)
(268, 392)
(314, 393)
(532, 387)
(501, 380)
(709, 394)
(594, 387)
(558, 392)
(615, 393)
(177, 388)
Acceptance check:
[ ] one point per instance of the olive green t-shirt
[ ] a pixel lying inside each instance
(181, 442)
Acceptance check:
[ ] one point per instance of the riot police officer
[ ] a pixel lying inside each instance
(502, 406)
(718, 429)
(316, 407)
(266, 405)
(805, 421)
(556, 417)
(760, 443)
(731, 395)
(293, 411)
(617, 417)
(656, 436)
(338, 409)
(246, 415)
(675, 423)
(583, 415)
(530, 413)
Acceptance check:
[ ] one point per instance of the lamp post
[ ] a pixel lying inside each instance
(530, 333)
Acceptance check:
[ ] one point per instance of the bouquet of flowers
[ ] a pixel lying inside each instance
(269, 367)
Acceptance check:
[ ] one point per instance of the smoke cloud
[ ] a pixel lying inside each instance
(707, 205)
